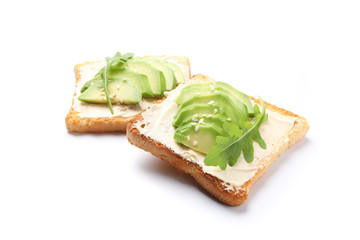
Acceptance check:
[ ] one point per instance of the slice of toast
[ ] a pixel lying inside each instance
(97, 118)
(152, 131)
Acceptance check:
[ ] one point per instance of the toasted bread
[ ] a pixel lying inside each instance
(229, 186)
(96, 118)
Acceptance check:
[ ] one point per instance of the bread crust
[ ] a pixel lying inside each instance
(75, 123)
(212, 184)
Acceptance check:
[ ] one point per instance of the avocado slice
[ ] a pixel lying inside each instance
(239, 95)
(207, 88)
(193, 109)
(235, 109)
(167, 71)
(120, 91)
(194, 88)
(179, 75)
(93, 93)
(155, 77)
(140, 80)
(218, 119)
(200, 137)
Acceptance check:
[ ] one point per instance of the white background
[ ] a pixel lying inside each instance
(300, 55)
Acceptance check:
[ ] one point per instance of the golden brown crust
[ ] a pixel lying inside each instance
(75, 123)
(212, 184)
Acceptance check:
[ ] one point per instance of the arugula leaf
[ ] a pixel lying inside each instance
(237, 139)
(106, 71)
(118, 62)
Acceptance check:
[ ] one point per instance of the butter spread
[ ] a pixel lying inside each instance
(157, 124)
(88, 71)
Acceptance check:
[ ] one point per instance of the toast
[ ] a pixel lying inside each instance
(231, 186)
(97, 118)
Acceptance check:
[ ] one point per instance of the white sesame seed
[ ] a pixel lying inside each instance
(215, 110)
(118, 87)
(188, 137)
(210, 115)
(211, 102)
(196, 128)
(193, 123)
(102, 89)
(201, 120)
(195, 143)
(194, 118)
(216, 91)
(228, 119)
(92, 83)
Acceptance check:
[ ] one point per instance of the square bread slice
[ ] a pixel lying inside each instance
(97, 118)
(152, 130)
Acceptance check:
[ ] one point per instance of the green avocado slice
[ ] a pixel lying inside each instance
(218, 119)
(214, 87)
(200, 137)
(234, 108)
(194, 110)
(165, 69)
(179, 75)
(155, 77)
(120, 91)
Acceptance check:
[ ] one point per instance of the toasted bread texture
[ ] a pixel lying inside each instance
(229, 193)
(96, 118)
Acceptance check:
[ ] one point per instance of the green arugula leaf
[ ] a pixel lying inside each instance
(116, 62)
(106, 71)
(238, 138)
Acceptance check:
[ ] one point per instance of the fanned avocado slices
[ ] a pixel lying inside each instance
(165, 69)
(219, 121)
(149, 76)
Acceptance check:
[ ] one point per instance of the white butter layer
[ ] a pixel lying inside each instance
(157, 124)
(91, 110)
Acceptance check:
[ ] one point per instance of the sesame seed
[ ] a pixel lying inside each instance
(194, 118)
(216, 91)
(118, 87)
(228, 119)
(92, 83)
(195, 143)
(211, 102)
(210, 115)
(201, 120)
(215, 110)
(188, 137)
(196, 128)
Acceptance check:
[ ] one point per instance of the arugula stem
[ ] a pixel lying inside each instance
(106, 87)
